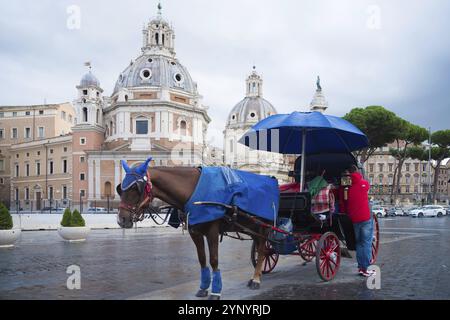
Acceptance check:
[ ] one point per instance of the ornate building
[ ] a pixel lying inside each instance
(243, 116)
(155, 109)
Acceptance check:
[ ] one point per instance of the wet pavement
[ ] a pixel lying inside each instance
(161, 263)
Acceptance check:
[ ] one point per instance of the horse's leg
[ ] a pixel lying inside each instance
(212, 236)
(255, 282)
(205, 273)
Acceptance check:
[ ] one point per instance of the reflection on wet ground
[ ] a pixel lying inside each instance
(162, 264)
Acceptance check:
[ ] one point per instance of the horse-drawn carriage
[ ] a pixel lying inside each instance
(218, 200)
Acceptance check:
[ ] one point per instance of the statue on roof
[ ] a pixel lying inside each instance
(319, 88)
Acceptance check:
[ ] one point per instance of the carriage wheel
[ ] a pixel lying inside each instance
(328, 256)
(307, 249)
(375, 240)
(270, 257)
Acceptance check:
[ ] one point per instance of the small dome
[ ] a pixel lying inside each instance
(89, 80)
(156, 71)
(249, 111)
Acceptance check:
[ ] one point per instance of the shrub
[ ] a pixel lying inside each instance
(6, 222)
(77, 220)
(66, 219)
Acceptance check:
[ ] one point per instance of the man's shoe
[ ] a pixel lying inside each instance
(367, 273)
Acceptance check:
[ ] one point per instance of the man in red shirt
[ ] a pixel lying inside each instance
(356, 206)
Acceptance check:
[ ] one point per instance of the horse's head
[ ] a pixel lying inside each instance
(135, 193)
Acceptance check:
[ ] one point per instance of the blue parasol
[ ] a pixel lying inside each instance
(304, 133)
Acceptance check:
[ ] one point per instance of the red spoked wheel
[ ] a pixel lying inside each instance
(328, 256)
(307, 249)
(270, 257)
(375, 240)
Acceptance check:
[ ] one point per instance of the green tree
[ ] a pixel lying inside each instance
(440, 151)
(77, 220)
(381, 127)
(408, 135)
(6, 222)
(67, 217)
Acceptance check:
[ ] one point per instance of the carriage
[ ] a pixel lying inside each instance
(311, 236)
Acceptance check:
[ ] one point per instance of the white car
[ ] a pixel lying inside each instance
(428, 211)
(96, 210)
(379, 211)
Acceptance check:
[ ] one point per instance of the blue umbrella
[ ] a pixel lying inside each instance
(304, 133)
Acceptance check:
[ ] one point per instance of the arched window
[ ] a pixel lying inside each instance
(163, 38)
(408, 179)
(97, 118)
(157, 38)
(126, 97)
(110, 128)
(380, 179)
(141, 125)
(85, 114)
(183, 128)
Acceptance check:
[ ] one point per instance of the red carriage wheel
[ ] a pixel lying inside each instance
(270, 257)
(328, 256)
(375, 240)
(307, 249)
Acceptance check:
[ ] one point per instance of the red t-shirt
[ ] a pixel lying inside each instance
(357, 204)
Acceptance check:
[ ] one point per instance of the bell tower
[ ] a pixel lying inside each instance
(88, 134)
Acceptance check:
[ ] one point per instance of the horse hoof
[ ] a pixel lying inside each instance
(214, 297)
(202, 293)
(253, 285)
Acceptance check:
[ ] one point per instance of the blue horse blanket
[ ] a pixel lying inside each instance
(252, 193)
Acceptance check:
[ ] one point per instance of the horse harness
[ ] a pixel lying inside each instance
(145, 189)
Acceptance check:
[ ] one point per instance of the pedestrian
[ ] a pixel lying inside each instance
(356, 205)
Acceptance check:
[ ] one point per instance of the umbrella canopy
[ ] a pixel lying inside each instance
(283, 133)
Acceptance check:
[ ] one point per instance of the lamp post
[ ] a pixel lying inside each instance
(429, 165)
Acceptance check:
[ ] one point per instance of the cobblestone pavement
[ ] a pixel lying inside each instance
(162, 264)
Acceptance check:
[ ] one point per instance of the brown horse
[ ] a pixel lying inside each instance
(175, 187)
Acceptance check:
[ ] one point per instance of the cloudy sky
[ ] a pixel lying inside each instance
(390, 53)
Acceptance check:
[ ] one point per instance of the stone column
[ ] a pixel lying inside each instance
(97, 179)
(117, 179)
(90, 192)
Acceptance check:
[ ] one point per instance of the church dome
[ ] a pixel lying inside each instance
(250, 110)
(89, 80)
(253, 107)
(156, 71)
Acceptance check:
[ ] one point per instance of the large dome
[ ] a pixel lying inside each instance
(156, 71)
(250, 110)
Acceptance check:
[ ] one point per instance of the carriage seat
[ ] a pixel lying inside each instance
(297, 206)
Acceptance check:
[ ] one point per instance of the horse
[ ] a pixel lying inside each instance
(174, 186)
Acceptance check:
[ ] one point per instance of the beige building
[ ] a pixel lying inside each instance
(28, 124)
(41, 173)
(414, 180)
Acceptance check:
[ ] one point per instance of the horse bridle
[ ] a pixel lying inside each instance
(146, 197)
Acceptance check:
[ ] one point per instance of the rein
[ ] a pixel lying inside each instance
(137, 210)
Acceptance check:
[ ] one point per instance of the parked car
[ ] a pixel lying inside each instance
(396, 211)
(96, 210)
(52, 210)
(428, 211)
(379, 211)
